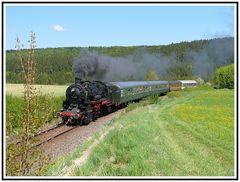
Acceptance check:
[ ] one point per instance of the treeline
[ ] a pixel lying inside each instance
(54, 65)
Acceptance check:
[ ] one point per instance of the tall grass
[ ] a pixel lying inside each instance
(14, 110)
(153, 99)
(174, 94)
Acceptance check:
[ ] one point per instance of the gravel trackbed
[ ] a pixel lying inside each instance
(69, 141)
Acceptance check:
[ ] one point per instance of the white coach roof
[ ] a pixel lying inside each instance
(187, 81)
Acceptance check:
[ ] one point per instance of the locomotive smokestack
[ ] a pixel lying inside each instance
(78, 80)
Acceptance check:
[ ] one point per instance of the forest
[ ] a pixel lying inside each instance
(185, 60)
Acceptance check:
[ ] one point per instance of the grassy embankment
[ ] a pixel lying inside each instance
(14, 101)
(190, 133)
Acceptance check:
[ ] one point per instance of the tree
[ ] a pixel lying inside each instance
(179, 71)
(151, 75)
(58, 61)
(224, 77)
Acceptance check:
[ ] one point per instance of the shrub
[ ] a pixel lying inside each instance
(151, 75)
(153, 99)
(33, 111)
(131, 107)
(174, 94)
(199, 80)
(224, 77)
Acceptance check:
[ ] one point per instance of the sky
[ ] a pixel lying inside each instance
(84, 26)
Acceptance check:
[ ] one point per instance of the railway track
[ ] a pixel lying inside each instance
(49, 134)
(62, 139)
(50, 129)
(53, 133)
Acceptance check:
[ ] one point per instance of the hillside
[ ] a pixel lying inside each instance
(196, 58)
(190, 133)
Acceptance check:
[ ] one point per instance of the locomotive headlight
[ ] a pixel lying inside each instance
(74, 93)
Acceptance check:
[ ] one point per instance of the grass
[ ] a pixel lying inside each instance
(191, 135)
(144, 102)
(14, 102)
(60, 166)
(174, 94)
(56, 90)
(14, 110)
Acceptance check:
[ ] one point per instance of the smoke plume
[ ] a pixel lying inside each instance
(93, 65)
(217, 53)
(105, 68)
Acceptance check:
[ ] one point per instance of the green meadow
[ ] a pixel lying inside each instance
(188, 133)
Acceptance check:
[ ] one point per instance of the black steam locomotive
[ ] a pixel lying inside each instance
(88, 100)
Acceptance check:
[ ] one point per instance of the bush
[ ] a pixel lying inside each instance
(224, 77)
(174, 94)
(200, 81)
(151, 75)
(152, 99)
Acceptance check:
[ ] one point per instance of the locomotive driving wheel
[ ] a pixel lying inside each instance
(87, 119)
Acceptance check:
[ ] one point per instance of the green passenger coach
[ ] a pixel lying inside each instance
(122, 92)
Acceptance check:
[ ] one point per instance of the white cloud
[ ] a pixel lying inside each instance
(58, 28)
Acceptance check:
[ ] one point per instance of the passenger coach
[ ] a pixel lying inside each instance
(128, 91)
(187, 83)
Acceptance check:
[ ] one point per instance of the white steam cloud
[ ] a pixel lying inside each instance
(58, 28)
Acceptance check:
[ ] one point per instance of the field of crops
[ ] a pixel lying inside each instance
(53, 94)
(190, 133)
(55, 90)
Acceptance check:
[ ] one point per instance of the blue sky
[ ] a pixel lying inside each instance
(67, 26)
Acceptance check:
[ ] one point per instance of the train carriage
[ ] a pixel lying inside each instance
(187, 83)
(128, 91)
(175, 85)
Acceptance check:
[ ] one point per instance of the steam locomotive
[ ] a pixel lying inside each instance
(88, 100)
